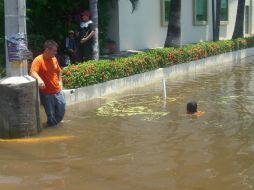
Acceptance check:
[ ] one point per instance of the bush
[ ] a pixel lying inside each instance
(92, 72)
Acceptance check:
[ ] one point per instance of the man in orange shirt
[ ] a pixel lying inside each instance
(46, 70)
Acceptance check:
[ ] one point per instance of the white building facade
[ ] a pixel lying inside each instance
(146, 27)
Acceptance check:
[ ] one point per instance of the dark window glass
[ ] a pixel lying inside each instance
(167, 9)
(201, 10)
(224, 10)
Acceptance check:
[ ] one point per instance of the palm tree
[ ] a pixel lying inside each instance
(238, 31)
(174, 24)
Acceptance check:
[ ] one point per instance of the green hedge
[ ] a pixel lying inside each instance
(93, 72)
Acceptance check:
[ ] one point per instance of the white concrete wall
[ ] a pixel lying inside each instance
(251, 20)
(226, 30)
(142, 28)
(252, 17)
(192, 33)
(189, 32)
(113, 28)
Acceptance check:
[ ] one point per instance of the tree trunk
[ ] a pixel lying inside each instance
(94, 11)
(238, 31)
(217, 21)
(174, 25)
(213, 19)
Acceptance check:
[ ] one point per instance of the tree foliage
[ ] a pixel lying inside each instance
(53, 18)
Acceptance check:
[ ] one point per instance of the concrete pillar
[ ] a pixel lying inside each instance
(19, 109)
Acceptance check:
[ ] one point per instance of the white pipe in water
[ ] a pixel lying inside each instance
(164, 88)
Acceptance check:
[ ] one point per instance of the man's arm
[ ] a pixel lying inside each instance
(90, 35)
(41, 84)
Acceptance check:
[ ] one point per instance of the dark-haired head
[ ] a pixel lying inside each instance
(49, 44)
(50, 49)
(192, 107)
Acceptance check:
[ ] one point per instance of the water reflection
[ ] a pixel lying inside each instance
(139, 141)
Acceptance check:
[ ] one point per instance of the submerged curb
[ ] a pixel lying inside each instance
(139, 80)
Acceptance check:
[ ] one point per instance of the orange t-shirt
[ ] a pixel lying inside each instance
(49, 71)
(199, 113)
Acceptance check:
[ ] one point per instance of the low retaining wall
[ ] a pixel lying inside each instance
(119, 85)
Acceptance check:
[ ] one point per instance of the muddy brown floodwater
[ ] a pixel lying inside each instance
(138, 140)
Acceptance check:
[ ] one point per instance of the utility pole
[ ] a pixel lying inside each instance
(19, 110)
(15, 22)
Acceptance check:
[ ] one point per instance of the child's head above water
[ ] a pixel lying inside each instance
(192, 107)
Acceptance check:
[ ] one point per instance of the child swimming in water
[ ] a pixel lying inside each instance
(192, 109)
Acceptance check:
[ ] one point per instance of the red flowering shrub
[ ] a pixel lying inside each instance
(93, 72)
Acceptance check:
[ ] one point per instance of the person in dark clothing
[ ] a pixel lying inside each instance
(86, 37)
(63, 60)
(70, 46)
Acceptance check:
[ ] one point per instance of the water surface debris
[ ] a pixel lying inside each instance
(37, 139)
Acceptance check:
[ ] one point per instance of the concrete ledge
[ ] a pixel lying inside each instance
(119, 85)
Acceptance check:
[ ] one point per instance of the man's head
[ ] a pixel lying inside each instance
(192, 107)
(85, 15)
(71, 33)
(50, 48)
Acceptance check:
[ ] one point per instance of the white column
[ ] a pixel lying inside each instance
(15, 22)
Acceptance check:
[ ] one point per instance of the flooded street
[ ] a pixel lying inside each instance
(140, 140)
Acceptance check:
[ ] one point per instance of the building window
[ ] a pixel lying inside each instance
(224, 12)
(165, 7)
(200, 12)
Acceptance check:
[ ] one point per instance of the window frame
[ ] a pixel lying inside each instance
(195, 21)
(224, 22)
(164, 22)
